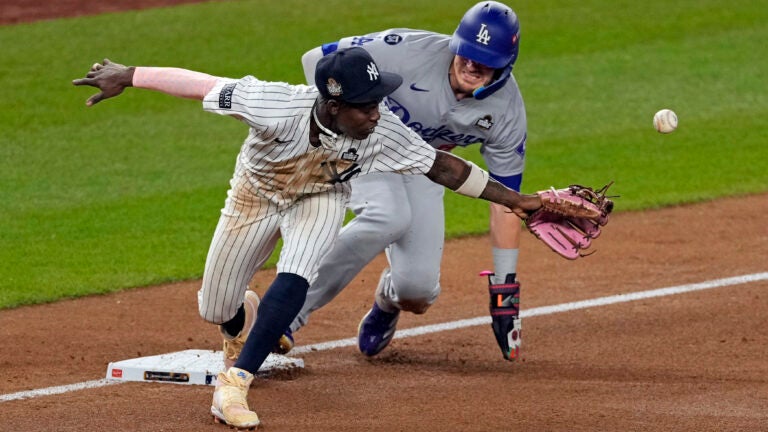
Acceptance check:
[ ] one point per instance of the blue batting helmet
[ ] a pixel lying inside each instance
(489, 33)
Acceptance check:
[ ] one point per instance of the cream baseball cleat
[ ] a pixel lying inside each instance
(233, 346)
(230, 402)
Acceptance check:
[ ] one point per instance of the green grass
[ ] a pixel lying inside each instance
(127, 193)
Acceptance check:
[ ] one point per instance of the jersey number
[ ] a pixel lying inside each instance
(361, 40)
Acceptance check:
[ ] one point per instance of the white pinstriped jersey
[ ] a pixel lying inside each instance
(281, 163)
(427, 104)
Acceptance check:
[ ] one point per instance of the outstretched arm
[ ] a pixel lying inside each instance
(112, 78)
(458, 175)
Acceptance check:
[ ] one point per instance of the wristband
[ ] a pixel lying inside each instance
(475, 183)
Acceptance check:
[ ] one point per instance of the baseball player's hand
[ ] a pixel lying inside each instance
(111, 78)
(526, 205)
(570, 226)
(574, 201)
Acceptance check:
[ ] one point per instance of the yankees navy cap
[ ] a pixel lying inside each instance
(351, 75)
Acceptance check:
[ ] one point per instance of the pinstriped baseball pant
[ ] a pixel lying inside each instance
(246, 236)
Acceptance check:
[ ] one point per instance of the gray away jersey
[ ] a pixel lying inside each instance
(282, 164)
(427, 105)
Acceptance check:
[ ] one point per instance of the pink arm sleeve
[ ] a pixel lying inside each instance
(174, 81)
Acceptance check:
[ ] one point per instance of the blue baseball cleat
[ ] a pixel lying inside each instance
(376, 330)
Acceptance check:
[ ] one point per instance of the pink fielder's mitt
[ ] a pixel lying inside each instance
(570, 218)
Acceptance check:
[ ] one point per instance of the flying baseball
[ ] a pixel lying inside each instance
(665, 121)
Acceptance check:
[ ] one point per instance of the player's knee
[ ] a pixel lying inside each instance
(415, 306)
(416, 281)
(416, 291)
(212, 314)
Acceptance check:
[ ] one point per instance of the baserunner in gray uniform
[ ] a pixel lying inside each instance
(458, 90)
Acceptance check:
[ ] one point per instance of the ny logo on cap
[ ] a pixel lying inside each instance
(483, 36)
(373, 73)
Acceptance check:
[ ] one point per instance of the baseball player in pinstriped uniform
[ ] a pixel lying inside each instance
(291, 178)
(458, 91)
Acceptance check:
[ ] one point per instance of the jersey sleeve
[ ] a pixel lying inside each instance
(504, 150)
(388, 47)
(403, 151)
(253, 101)
(385, 47)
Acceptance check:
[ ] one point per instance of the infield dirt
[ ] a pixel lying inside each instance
(690, 362)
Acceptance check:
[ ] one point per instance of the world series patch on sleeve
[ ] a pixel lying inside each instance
(570, 218)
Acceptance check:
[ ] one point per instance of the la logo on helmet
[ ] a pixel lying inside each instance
(483, 36)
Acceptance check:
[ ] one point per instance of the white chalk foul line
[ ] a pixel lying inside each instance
(453, 325)
(49, 391)
(547, 310)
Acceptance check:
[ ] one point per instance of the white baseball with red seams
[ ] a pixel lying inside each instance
(665, 121)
